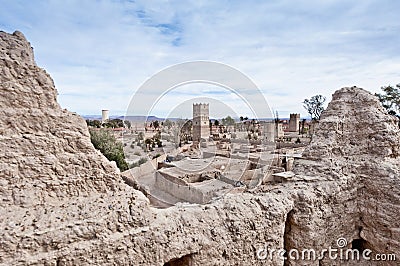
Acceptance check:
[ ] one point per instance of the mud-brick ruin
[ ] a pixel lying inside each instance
(63, 203)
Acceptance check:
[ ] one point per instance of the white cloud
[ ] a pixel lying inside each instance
(100, 52)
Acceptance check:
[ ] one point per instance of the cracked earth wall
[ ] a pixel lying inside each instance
(63, 203)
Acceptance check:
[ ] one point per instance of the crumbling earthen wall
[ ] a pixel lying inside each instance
(63, 203)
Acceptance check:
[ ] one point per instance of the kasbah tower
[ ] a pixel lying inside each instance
(201, 120)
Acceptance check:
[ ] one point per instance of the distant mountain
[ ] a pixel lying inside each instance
(136, 118)
(91, 117)
(143, 118)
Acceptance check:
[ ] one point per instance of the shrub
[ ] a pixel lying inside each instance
(159, 143)
(106, 143)
(142, 160)
(138, 163)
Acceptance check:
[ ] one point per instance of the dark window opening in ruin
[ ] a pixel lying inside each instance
(186, 260)
(358, 244)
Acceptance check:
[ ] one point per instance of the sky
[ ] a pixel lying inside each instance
(99, 53)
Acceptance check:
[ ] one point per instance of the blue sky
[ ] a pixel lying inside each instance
(100, 52)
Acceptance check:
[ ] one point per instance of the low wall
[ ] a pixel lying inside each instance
(179, 190)
(227, 180)
(173, 179)
(154, 201)
(148, 167)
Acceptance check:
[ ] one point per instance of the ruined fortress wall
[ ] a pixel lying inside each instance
(53, 183)
(227, 180)
(173, 179)
(269, 130)
(148, 167)
(63, 203)
(357, 144)
(294, 122)
(174, 187)
(201, 128)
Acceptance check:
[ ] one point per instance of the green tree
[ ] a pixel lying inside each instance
(148, 141)
(107, 144)
(390, 99)
(140, 136)
(216, 122)
(97, 123)
(93, 123)
(228, 121)
(156, 124)
(127, 123)
(114, 123)
(168, 124)
(314, 106)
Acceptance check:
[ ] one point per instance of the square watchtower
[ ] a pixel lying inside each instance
(201, 121)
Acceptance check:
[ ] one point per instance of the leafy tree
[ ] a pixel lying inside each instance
(159, 143)
(157, 136)
(156, 124)
(109, 147)
(168, 124)
(314, 106)
(97, 123)
(127, 123)
(216, 122)
(148, 141)
(140, 136)
(228, 121)
(114, 123)
(391, 100)
(93, 123)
